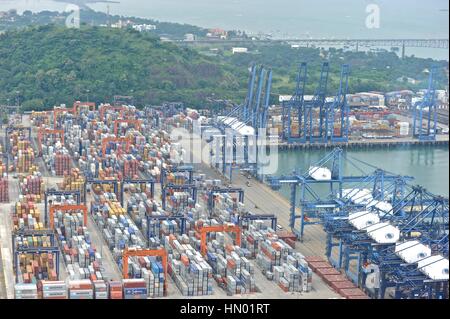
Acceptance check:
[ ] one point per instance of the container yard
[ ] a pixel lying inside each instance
(101, 208)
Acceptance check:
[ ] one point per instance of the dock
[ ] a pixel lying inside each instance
(441, 140)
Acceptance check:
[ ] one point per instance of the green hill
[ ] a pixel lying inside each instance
(50, 65)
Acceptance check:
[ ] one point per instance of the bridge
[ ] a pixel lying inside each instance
(356, 43)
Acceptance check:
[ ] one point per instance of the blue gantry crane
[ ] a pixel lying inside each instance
(228, 190)
(337, 123)
(187, 169)
(315, 130)
(151, 231)
(245, 219)
(25, 249)
(142, 182)
(294, 108)
(332, 121)
(114, 183)
(189, 188)
(425, 113)
(421, 219)
(254, 112)
(322, 185)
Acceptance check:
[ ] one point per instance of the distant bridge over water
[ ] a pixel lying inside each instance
(356, 43)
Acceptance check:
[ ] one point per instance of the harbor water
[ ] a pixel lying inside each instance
(427, 164)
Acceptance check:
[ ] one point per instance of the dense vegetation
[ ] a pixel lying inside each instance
(49, 65)
(370, 71)
(94, 18)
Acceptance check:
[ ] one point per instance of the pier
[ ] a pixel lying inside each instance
(441, 140)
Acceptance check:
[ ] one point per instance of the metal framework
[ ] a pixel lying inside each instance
(56, 111)
(315, 132)
(114, 183)
(67, 208)
(48, 193)
(144, 182)
(418, 215)
(105, 108)
(294, 108)
(191, 188)
(227, 228)
(78, 105)
(10, 129)
(338, 131)
(107, 140)
(229, 190)
(332, 123)
(425, 111)
(42, 132)
(137, 124)
(35, 250)
(251, 217)
(253, 112)
(319, 197)
(177, 169)
(179, 218)
(413, 43)
(144, 253)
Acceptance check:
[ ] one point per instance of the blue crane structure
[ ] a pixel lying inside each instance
(176, 217)
(253, 112)
(316, 132)
(295, 108)
(245, 219)
(17, 249)
(322, 196)
(418, 215)
(425, 110)
(332, 124)
(191, 188)
(339, 108)
(145, 182)
(189, 170)
(114, 183)
(228, 190)
(35, 250)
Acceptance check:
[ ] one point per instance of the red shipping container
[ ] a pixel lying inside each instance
(327, 271)
(319, 264)
(329, 279)
(347, 292)
(314, 258)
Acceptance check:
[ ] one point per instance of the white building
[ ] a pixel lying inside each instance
(144, 27)
(189, 37)
(239, 50)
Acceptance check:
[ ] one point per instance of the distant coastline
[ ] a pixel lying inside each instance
(84, 3)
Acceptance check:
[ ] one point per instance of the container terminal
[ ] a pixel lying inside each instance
(109, 202)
